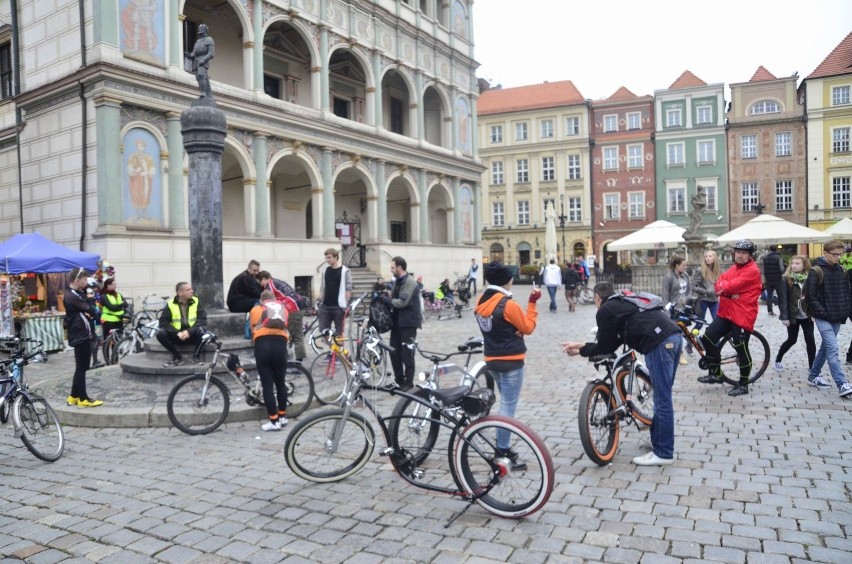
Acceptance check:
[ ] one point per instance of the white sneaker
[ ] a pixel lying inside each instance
(819, 382)
(779, 367)
(651, 459)
(271, 426)
(845, 389)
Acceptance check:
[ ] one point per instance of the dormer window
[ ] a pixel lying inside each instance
(765, 107)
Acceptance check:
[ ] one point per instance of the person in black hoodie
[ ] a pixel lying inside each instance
(773, 273)
(79, 314)
(245, 290)
(829, 303)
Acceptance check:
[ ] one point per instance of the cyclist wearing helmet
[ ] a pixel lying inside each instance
(738, 289)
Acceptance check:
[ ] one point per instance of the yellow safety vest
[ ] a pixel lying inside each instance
(109, 316)
(191, 313)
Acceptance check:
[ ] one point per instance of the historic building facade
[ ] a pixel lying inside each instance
(691, 152)
(766, 149)
(534, 145)
(827, 96)
(349, 122)
(623, 161)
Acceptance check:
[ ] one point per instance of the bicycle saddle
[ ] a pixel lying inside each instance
(449, 396)
(471, 343)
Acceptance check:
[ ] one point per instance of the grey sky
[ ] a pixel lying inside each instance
(645, 46)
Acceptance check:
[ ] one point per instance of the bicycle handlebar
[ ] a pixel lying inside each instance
(436, 357)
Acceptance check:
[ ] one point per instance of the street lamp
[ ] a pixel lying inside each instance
(562, 218)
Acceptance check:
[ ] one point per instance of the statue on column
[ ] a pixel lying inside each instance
(699, 205)
(202, 53)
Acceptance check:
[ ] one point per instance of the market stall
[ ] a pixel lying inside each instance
(30, 266)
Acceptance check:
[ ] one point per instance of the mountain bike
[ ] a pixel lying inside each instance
(623, 395)
(33, 419)
(199, 404)
(138, 327)
(424, 421)
(692, 325)
(331, 445)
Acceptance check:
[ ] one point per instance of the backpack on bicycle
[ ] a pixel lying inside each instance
(380, 316)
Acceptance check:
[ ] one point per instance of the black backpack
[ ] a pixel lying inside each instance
(380, 316)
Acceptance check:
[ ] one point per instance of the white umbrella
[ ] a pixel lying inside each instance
(842, 229)
(769, 229)
(659, 234)
(550, 232)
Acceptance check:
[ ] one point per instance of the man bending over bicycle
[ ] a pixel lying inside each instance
(503, 324)
(652, 333)
(738, 289)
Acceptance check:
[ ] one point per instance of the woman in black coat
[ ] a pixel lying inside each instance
(78, 321)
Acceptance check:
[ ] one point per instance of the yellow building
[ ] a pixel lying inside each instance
(534, 144)
(827, 93)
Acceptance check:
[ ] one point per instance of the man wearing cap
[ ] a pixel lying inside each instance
(738, 289)
(503, 324)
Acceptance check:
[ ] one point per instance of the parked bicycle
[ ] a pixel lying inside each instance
(623, 395)
(33, 419)
(199, 404)
(131, 339)
(583, 295)
(433, 306)
(692, 327)
(423, 422)
(333, 444)
(329, 369)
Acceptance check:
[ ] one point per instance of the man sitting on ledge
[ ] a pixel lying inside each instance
(182, 321)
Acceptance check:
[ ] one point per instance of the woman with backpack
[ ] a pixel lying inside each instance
(268, 321)
(796, 312)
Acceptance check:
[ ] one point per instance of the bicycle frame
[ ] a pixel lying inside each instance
(626, 359)
(442, 368)
(401, 461)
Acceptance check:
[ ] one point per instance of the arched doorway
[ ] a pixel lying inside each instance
(496, 252)
(524, 253)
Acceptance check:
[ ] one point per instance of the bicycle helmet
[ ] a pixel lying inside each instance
(745, 245)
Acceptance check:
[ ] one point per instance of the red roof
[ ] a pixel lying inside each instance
(839, 61)
(621, 95)
(535, 96)
(687, 80)
(762, 74)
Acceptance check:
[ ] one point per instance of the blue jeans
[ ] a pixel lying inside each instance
(552, 291)
(828, 350)
(662, 364)
(509, 385)
(712, 306)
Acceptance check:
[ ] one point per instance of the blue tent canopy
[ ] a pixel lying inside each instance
(32, 252)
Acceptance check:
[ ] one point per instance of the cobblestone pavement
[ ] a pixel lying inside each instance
(760, 478)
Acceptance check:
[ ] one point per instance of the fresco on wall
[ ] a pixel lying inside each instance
(142, 181)
(466, 200)
(464, 125)
(459, 20)
(142, 28)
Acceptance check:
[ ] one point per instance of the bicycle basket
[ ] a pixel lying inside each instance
(478, 402)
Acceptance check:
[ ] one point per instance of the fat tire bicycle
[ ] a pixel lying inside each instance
(691, 325)
(331, 445)
(420, 421)
(623, 395)
(199, 404)
(33, 418)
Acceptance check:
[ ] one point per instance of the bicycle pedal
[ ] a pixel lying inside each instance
(386, 451)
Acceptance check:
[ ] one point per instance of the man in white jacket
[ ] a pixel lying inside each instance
(335, 293)
(552, 278)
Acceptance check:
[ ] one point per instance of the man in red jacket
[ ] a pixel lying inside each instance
(738, 289)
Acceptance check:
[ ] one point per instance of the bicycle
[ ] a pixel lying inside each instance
(583, 295)
(624, 394)
(333, 444)
(33, 418)
(199, 404)
(424, 421)
(131, 339)
(436, 307)
(329, 369)
(686, 318)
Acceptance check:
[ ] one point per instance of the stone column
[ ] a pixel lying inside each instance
(424, 206)
(382, 203)
(177, 211)
(458, 235)
(175, 24)
(109, 173)
(418, 100)
(377, 94)
(327, 195)
(257, 47)
(476, 206)
(104, 20)
(204, 127)
(262, 198)
(324, 102)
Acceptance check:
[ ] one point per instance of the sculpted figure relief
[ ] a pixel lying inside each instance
(202, 53)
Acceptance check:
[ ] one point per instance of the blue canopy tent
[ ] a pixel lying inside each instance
(32, 252)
